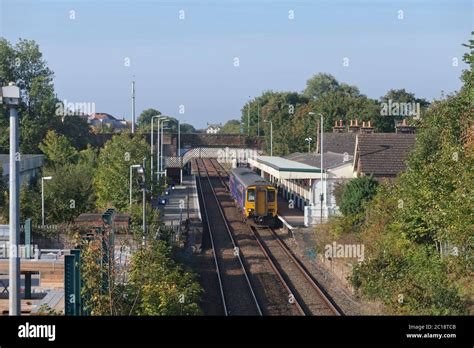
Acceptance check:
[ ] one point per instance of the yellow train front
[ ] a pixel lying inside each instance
(255, 196)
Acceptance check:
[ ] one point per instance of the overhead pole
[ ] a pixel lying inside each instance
(133, 107)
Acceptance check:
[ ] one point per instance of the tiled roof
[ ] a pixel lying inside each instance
(383, 154)
(101, 116)
(339, 142)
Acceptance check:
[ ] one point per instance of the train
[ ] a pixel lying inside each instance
(256, 197)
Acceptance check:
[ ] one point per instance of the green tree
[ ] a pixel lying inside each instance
(70, 192)
(231, 127)
(112, 176)
(144, 120)
(419, 229)
(58, 149)
(356, 195)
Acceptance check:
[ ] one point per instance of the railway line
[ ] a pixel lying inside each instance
(235, 288)
(303, 292)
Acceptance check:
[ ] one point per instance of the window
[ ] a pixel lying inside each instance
(251, 195)
(271, 195)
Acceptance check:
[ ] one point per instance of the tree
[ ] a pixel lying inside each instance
(70, 192)
(58, 149)
(356, 195)
(320, 85)
(231, 127)
(112, 176)
(419, 230)
(144, 120)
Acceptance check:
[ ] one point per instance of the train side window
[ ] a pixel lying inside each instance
(251, 195)
(271, 195)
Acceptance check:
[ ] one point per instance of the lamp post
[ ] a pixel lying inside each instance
(42, 197)
(179, 147)
(271, 136)
(151, 143)
(131, 168)
(160, 141)
(321, 129)
(10, 96)
(248, 119)
(309, 140)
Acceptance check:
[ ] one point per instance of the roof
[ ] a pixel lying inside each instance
(285, 165)
(383, 154)
(339, 142)
(248, 177)
(101, 116)
(330, 159)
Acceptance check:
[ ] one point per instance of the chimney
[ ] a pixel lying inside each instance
(338, 128)
(404, 128)
(354, 127)
(366, 128)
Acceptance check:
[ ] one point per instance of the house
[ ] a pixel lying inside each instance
(213, 128)
(382, 155)
(107, 120)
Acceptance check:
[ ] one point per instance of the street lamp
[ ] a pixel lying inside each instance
(271, 136)
(10, 97)
(151, 142)
(42, 197)
(158, 151)
(179, 146)
(309, 140)
(321, 128)
(131, 168)
(248, 119)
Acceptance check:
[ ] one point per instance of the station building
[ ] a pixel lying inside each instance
(298, 179)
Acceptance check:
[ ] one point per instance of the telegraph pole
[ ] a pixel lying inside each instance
(133, 107)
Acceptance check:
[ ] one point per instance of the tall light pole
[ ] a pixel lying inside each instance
(179, 145)
(248, 119)
(271, 136)
(133, 107)
(10, 96)
(258, 121)
(151, 144)
(42, 196)
(309, 140)
(143, 172)
(131, 168)
(321, 140)
(158, 163)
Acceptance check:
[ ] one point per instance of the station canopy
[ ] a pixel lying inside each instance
(283, 168)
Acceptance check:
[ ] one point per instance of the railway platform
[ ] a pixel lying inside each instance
(182, 205)
(291, 217)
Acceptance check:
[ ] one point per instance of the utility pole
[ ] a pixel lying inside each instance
(10, 96)
(248, 119)
(144, 196)
(133, 107)
(258, 121)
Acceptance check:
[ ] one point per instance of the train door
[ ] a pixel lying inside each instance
(261, 202)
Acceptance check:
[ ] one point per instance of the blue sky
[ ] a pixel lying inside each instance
(190, 62)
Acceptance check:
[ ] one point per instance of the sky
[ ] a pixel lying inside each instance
(201, 60)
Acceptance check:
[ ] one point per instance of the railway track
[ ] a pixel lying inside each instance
(236, 290)
(303, 291)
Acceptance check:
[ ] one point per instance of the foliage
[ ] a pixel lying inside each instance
(356, 194)
(231, 127)
(69, 193)
(419, 229)
(144, 120)
(111, 180)
(58, 149)
(159, 286)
